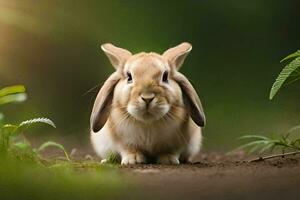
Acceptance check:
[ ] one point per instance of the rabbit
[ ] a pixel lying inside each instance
(147, 109)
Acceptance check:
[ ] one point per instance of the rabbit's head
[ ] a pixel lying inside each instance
(146, 86)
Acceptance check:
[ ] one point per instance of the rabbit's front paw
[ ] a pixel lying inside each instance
(168, 159)
(133, 158)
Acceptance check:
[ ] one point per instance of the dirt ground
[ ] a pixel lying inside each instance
(216, 176)
(212, 176)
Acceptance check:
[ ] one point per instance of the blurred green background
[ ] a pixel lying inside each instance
(53, 47)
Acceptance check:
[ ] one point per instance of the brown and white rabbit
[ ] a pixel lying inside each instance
(147, 109)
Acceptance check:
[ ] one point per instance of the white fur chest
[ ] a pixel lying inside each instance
(151, 138)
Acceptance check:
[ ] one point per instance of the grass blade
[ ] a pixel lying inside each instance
(54, 144)
(255, 148)
(257, 142)
(267, 147)
(291, 131)
(259, 137)
(10, 128)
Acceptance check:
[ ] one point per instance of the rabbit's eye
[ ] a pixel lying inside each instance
(165, 77)
(129, 77)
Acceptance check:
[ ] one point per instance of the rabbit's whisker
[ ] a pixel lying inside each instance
(91, 90)
(126, 116)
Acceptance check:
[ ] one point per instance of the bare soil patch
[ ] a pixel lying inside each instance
(216, 176)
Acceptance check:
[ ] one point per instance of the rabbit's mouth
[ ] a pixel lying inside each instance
(148, 114)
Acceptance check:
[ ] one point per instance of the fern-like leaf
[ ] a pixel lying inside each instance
(296, 54)
(286, 73)
(38, 120)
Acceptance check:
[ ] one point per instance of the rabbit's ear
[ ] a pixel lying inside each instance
(116, 55)
(190, 99)
(177, 55)
(103, 102)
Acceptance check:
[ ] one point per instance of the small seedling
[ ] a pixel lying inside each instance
(12, 139)
(288, 143)
(23, 167)
(113, 159)
(54, 144)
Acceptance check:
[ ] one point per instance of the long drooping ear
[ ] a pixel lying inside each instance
(103, 102)
(116, 55)
(191, 99)
(177, 55)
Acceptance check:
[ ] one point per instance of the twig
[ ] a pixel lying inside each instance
(274, 156)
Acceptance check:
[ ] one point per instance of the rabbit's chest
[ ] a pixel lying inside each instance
(152, 139)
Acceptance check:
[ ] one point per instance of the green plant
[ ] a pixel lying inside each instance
(283, 142)
(13, 142)
(23, 167)
(288, 75)
(113, 159)
(287, 143)
(12, 94)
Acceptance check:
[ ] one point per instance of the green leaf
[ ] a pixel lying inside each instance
(12, 90)
(255, 148)
(259, 137)
(38, 120)
(267, 147)
(12, 94)
(54, 144)
(291, 131)
(296, 54)
(16, 129)
(22, 145)
(13, 98)
(284, 75)
(9, 128)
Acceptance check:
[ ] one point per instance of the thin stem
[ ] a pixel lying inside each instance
(274, 156)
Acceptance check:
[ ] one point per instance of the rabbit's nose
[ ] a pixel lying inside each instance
(148, 97)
